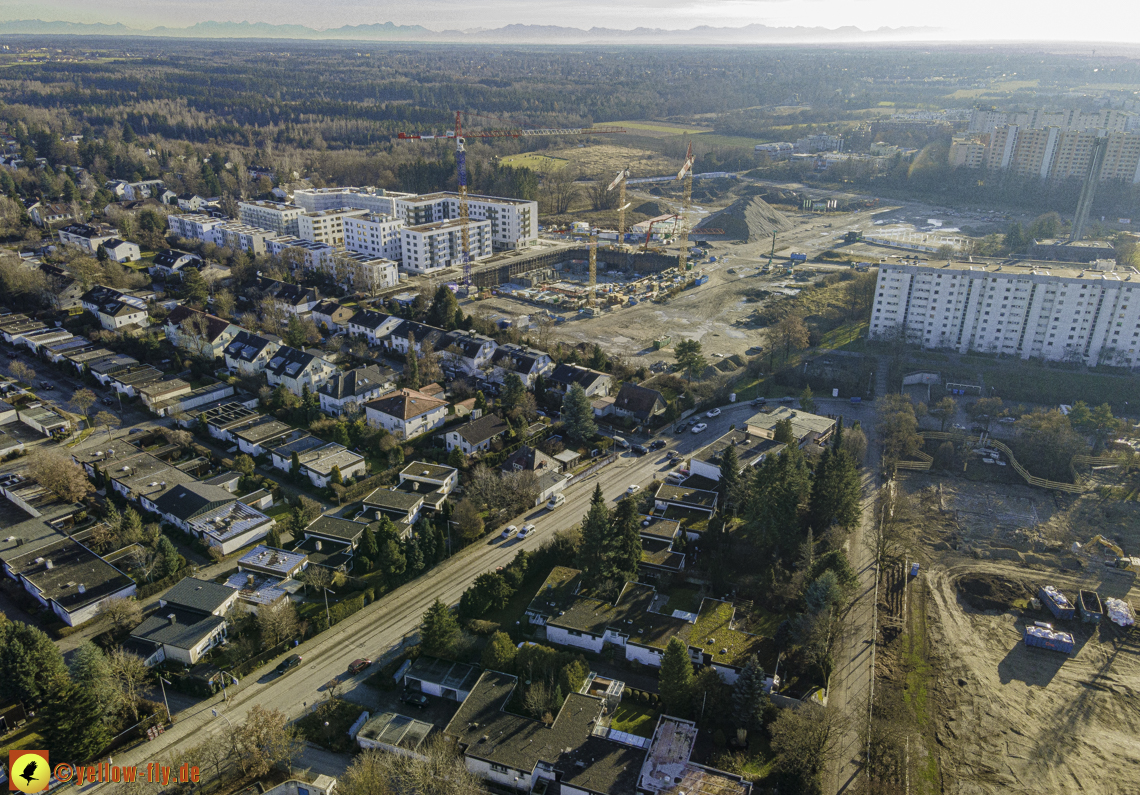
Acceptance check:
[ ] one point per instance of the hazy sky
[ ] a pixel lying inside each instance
(1113, 20)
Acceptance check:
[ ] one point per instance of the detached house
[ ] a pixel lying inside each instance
(297, 300)
(249, 354)
(400, 338)
(465, 353)
(593, 382)
(115, 309)
(332, 315)
(373, 326)
(526, 363)
(47, 213)
(297, 369)
(199, 332)
(406, 413)
(190, 621)
(639, 402)
(87, 237)
(122, 250)
(355, 386)
(170, 262)
(477, 434)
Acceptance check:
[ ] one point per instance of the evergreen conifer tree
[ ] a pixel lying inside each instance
(595, 546)
(748, 696)
(439, 630)
(676, 679)
(73, 722)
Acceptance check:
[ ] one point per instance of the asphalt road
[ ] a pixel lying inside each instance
(386, 623)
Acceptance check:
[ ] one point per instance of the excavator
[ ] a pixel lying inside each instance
(1112, 553)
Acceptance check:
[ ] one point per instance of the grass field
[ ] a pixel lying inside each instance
(662, 129)
(712, 139)
(535, 162)
(24, 737)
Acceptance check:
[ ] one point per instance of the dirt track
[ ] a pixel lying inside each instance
(1017, 720)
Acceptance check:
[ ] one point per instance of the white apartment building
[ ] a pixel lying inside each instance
(315, 256)
(374, 200)
(514, 222)
(1106, 119)
(968, 154)
(432, 247)
(365, 273)
(1030, 310)
(378, 235)
(274, 216)
(242, 237)
(194, 226)
(326, 226)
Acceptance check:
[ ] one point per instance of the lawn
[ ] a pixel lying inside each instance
(728, 140)
(24, 737)
(682, 599)
(535, 162)
(848, 337)
(662, 128)
(339, 715)
(634, 718)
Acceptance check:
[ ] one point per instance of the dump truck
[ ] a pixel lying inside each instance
(1089, 604)
(1042, 636)
(1056, 602)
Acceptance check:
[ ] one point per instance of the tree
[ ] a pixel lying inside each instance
(106, 420)
(122, 612)
(468, 520)
(730, 475)
(824, 592)
(273, 539)
(245, 464)
(790, 333)
(625, 553)
(594, 549)
(83, 399)
(687, 353)
(444, 306)
(748, 698)
(806, 740)
(945, 410)
(676, 679)
(783, 432)
(898, 427)
(411, 376)
(195, 287)
(73, 721)
(578, 415)
(368, 547)
(499, 653)
(29, 662)
(390, 555)
(436, 769)
(91, 671)
(807, 400)
(59, 475)
(172, 561)
(480, 401)
(985, 410)
(131, 678)
(488, 592)
(559, 190)
(855, 444)
(439, 630)
(265, 740)
(275, 626)
(22, 372)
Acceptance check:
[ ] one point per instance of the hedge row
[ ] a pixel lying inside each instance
(151, 588)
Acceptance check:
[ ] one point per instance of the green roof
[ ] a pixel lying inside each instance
(716, 636)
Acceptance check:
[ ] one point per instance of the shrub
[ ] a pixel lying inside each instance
(479, 627)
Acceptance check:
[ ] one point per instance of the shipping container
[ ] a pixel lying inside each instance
(797, 257)
(1042, 638)
(1089, 603)
(914, 570)
(1056, 602)
(701, 280)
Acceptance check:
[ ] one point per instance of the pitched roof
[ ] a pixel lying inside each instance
(289, 362)
(405, 404)
(169, 257)
(567, 374)
(203, 596)
(246, 346)
(292, 294)
(333, 310)
(638, 400)
(215, 326)
(187, 500)
(531, 460)
(424, 334)
(354, 383)
(369, 319)
(486, 427)
(467, 341)
(516, 358)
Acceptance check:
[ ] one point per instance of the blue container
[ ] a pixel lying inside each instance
(1058, 605)
(701, 280)
(914, 570)
(856, 400)
(1041, 638)
(798, 257)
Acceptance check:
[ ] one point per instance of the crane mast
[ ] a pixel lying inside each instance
(682, 229)
(461, 165)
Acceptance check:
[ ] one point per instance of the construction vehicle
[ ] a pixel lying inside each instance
(1111, 554)
(461, 163)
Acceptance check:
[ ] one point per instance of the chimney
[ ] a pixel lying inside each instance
(249, 581)
(318, 545)
(82, 588)
(173, 619)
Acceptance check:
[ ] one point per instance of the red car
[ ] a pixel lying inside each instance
(359, 665)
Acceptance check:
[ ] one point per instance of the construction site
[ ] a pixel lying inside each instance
(1006, 657)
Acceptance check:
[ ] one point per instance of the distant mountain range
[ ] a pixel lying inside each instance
(509, 34)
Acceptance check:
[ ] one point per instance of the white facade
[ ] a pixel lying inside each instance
(326, 226)
(194, 227)
(87, 238)
(377, 235)
(277, 217)
(242, 237)
(1045, 312)
(435, 246)
(361, 325)
(373, 200)
(123, 251)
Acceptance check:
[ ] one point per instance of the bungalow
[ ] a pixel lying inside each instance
(355, 386)
(689, 499)
(69, 578)
(332, 315)
(106, 366)
(37, 339)
(750, 450)
(595, 383)
(318, 461)
(122, 250)
(263, 434)
(526, 363)
(115, 309)
(273, 562)
(297, 369)
(443, 678)
(199, 333)
(127, 382)
(297, 300)
(477, 434)
(13, 327)
(44, 419)
(189, 622)
(394, 733)
(169, 263)
(204, 596)
(402, 507)
(221, 421)
(230, 526)
(249, 354)
(373, 326)
(161, 391)
(331, 542)
(186, 401)
(639, 402)
(806, 426)
(406, 413)
(429, 477)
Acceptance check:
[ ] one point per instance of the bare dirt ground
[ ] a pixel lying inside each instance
(999, 717)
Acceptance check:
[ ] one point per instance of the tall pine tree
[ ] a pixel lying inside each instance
(748, 696)
(439, 630)
(73, 722)
(593, 551)
(625, 554)
(730, 475)
(676, 679)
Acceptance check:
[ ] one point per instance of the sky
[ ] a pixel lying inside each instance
(965, 19)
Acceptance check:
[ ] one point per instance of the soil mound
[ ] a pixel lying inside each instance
(747, 219)
(991, 592)
(652, 209)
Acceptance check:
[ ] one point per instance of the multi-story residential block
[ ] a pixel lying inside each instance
(274, 216)
(326, 226)
(780, 150)
(194, 226)
(1030, 310)
(373, 200)
(428, 248)
(514, 222)
(378, 235)
(819, 142)
(300, 254)
(406, 413)
(1058, 153)
(87, 237)
(241, 237)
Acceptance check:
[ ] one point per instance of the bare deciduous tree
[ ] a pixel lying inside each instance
(123, 613)
(436, 770)
(59, 474)
(265, 740)
(130, 675)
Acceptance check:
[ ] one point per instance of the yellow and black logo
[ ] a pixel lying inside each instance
(28, 771)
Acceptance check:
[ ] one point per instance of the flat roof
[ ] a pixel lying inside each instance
(69, 574)
(715, 634)
(1025, 268)
(422, 469)
(400, 731)
(657, 527)
(558, 589)
(687, 496)
(447, 674)
(803, 422)
(271, 559)
(332, 527)
(750, 448)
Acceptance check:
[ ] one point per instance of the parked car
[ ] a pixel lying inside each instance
(413, 699)
(359, 665)
(555, 501)
(656, 444)
(1008, 420)
(620, 442)
(700, 426)
(787, 399)
(680, 428)
(671, 455)
(712, 413)
(510, 530)
(289, 663)
(46, 386)
(633, 489)
(108, 402)
(527, 531)
(640, 449)
(759, 401)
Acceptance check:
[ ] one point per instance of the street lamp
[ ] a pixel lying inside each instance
(215, 713)
(328, 618)
(162, 684)
(233, 680)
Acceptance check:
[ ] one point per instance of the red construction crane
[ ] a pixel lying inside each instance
(461, 161)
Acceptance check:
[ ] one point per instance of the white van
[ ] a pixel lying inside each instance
(555, 501)
(622, 443)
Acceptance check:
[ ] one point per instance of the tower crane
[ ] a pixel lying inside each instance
(682, 228)
(461, 162)
(619, 182)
